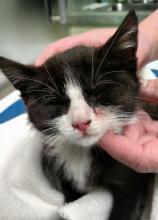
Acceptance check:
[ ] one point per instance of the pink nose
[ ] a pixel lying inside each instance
(81, 126)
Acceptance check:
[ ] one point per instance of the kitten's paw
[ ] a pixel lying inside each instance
(94, 206)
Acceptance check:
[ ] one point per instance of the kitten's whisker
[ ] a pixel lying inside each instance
(36, 100)
(50, 93)
(55, 139)
(92, 71)
(44, 151)
(42, 104)
(33, 80)
(106, 73)
(50, 128)
(51, 79)
(144, 99)
(51, 131)
(11, 71)
(41, 90)
(44, 101)
(104, 82)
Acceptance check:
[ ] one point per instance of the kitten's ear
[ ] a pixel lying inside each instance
(18, 74)
(123, 44)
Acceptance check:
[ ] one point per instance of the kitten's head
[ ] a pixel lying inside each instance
(77, 95)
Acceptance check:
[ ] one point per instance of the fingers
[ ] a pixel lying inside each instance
(134, 131)
(92, 38)
(57, 47)
(150, 164)
(149, 89)
(137, 148)
(149, 125)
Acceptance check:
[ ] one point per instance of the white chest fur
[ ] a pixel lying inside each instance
(77, 161)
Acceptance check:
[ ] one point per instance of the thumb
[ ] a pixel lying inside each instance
(149, 89)
(122, 149)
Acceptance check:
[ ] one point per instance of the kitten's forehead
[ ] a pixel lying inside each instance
(73, 90)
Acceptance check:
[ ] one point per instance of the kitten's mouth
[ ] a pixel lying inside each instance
(87, 140)
(86, 134)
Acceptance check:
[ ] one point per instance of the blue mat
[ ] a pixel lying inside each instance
(155, 72)
(14, 110)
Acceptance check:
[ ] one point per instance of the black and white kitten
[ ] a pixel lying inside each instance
(73, 99)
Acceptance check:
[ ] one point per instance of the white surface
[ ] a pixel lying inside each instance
(25, 192)
(146, 74)
(3, 80)
(9, 99)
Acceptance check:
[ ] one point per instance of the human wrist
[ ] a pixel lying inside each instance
(148, 29)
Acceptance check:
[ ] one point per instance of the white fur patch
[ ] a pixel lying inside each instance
(76, 161)
(25, 192)
(70, 144)
(79, 111)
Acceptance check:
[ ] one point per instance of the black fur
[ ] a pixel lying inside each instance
(35, 83)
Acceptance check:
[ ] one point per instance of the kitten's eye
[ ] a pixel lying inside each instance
(59, 105)
(103, 99)
(100, 96)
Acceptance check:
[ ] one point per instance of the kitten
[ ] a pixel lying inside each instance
(73, 99)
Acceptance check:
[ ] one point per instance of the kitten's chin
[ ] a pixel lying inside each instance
(87, 141)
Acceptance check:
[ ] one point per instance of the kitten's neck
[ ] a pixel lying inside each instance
(76, 161)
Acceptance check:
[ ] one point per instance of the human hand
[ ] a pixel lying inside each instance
(147, 41)
(149, 90)
(96, 38)
(137, 147)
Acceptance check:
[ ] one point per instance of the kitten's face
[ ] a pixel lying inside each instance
(79, 95)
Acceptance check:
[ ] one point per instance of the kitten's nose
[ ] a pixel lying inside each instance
(81, 126)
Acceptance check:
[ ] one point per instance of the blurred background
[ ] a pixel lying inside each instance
(28, 26)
